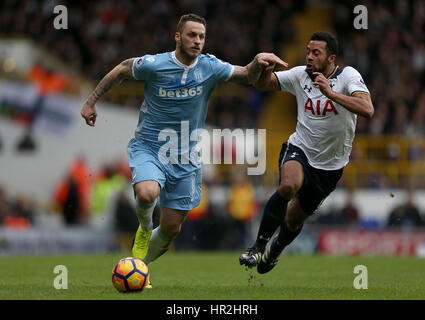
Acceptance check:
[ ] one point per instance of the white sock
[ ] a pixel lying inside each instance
(158, 245)
(144, 214)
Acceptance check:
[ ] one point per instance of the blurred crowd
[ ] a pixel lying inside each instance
(16, 212)
(390, 55)
(406, 215)
(101, 34)
(105, 198)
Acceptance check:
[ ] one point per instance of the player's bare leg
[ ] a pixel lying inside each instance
(295, 216)
(146, 197)
(170, 225)
(292, 176)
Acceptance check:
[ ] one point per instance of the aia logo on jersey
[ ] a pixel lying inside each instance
(317, 109)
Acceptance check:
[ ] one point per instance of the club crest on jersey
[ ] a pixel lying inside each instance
(316, 109)
(198, 76)
(139, 61)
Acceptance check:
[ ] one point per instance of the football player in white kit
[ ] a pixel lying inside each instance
(329, 98)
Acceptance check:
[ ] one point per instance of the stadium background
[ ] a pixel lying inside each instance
(64, 187)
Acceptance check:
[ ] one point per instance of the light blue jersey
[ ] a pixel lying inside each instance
(176, 101)
(175, 92)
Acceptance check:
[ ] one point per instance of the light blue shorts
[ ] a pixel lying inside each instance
(180, 189)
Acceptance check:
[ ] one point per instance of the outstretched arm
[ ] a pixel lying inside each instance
(267, 81)
(250, 74)
(113, 78)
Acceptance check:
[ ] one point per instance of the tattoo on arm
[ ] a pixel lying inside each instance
(104, 86)
(248, 74)
(240, 75)
(113, 78)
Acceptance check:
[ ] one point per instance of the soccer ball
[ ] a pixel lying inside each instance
(130, 275)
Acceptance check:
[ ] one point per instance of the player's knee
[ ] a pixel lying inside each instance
(287, 191)
(146, 195)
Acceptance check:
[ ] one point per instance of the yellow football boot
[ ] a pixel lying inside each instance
(141, 243)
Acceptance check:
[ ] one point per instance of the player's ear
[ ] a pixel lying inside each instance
(177, 36)
(331, 58)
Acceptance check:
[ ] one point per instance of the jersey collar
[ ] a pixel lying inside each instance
(173, 54)
(333, 72)
(336, 71)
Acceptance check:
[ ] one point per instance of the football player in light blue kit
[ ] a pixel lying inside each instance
(178, 86)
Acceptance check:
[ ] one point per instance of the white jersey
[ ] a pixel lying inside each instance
(325, 130)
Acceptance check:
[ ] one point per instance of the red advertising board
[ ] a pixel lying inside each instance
(367, 242)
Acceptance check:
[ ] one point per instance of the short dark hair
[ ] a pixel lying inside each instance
(331, 42)
(190, 17)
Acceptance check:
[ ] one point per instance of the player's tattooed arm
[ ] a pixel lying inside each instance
(113, 78)
(240, 75)
(358, 103)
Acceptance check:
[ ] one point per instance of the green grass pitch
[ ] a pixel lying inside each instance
(215, 276)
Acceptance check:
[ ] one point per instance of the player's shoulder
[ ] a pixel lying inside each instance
(299, 69)
(210, 58)
(207, 56)
(211, 63)
(158, 57)
(296, 72)
(154, 59)
(348, 72)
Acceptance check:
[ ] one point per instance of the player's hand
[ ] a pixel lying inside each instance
(263, 62)
(323, 83)
(269, 61)
(89, 113)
